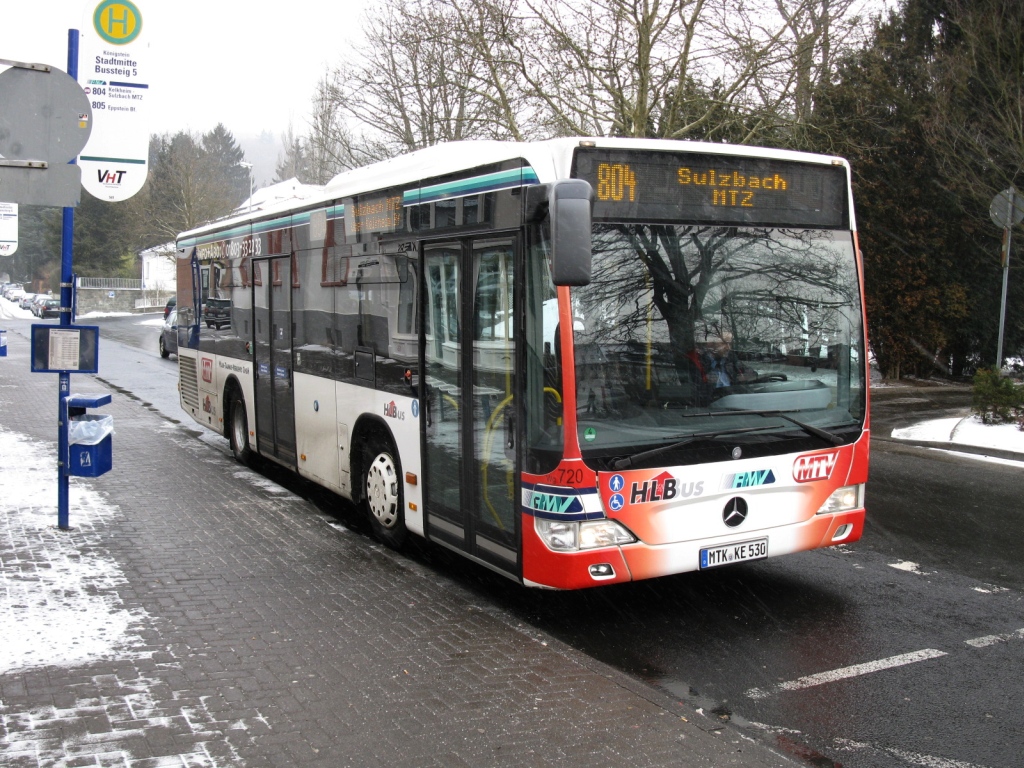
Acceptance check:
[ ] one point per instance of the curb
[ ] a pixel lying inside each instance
(977, 450)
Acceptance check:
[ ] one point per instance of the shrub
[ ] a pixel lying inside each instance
(996, 399)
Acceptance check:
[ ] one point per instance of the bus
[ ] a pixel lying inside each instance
(577, 362)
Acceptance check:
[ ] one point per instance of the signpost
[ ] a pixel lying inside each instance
(115, 77)
(1006, 210)
(40, 139)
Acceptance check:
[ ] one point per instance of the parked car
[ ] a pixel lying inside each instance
(170, 305)
(36, 307)
(217, 313)
(15, 294)
(50, 308)
(169, 335)
(25, 302)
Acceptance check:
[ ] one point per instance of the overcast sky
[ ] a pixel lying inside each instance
(250, 65)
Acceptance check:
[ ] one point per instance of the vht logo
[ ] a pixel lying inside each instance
(110, 178)
(207, 370)
(816, 467)
(664, 487)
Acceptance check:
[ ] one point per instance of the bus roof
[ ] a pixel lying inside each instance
(551, 159)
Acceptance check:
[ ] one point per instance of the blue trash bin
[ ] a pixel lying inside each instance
(90, 445)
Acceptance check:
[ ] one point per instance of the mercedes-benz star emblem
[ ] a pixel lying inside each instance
(735, 512)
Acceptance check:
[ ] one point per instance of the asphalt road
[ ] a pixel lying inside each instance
(904, 649)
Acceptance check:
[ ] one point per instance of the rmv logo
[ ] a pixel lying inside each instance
(550, 502)
(816, 467)
(751, 479)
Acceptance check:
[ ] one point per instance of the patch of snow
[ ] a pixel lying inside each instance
(59, 602)
(909, 567)
(966, 431)
(89, 315)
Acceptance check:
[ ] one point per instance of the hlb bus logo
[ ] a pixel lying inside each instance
(818, 466)
(117, 21)
(664, 487)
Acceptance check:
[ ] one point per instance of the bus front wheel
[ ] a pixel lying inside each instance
(382, 493)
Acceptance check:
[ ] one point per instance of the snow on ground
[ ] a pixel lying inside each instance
(59, 603)
(966, 431)
(11, 311)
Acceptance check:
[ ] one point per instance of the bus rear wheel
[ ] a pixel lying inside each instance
(238, 429)
(382, 493)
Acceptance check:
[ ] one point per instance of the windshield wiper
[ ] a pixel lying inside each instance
(810, 429)
(629, 461)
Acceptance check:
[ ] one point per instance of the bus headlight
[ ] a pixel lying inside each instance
(561, 537)
(573, 536)
(843, 499)
(603, 533)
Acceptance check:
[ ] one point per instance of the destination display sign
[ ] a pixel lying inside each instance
(367, 215)
(636, 185)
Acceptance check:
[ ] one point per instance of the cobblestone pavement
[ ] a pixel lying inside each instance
(201, 615)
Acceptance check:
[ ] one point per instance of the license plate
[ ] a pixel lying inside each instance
(734, 553)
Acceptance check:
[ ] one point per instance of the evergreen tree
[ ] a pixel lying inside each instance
(919, 250)
(224, 157)
(293, 163)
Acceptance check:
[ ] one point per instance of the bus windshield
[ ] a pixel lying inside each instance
(695, 342)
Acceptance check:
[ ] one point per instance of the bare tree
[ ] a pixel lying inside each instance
(444, 70)
(430, 71)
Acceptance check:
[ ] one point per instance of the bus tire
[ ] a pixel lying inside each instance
(238, 428)
(383, 498)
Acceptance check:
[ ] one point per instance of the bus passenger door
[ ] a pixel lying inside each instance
(468, 348)
(272, 322)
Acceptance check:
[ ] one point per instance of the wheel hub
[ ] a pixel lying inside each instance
(382, 490)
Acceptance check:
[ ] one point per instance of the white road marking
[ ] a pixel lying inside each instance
(847, 672)
(913, 758)
(982, 642)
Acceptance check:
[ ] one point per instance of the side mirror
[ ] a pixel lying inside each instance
(568, 203)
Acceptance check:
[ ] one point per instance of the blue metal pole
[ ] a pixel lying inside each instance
(66, 251)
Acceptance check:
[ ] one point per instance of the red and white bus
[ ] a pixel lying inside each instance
(576, 361)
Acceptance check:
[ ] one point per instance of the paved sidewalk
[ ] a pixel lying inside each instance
(201, 615)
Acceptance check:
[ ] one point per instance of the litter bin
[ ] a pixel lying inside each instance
(90, 445)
